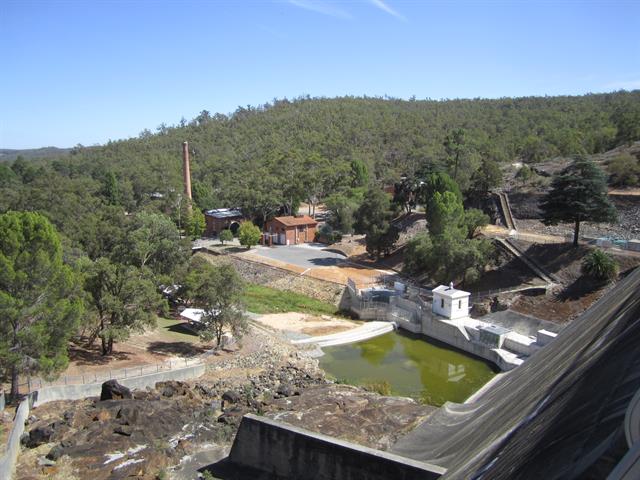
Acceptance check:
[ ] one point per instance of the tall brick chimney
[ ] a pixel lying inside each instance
(186, 170)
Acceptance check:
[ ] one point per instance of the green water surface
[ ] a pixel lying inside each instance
(414, 366)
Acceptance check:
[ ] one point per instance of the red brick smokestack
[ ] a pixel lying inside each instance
(186, 171)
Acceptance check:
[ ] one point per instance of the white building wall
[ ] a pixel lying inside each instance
(441, 305)
(460, 308)
(450, 308)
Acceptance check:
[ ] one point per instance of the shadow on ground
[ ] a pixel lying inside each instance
(184, 349)
(578, 289)
(180, 328)
(92, 355)
(325, 262)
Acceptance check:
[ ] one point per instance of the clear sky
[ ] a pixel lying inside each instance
(89, 71)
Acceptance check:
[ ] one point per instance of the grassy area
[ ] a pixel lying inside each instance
(261, 299)
(174, 331)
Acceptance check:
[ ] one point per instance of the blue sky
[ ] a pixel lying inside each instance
(89, 71)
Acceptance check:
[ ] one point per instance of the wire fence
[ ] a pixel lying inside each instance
(31, 384)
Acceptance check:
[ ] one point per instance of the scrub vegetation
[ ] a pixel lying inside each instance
(260, 299)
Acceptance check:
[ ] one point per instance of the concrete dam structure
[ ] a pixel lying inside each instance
(563, 414)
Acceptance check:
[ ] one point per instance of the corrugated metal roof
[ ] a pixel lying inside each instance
(224, 213)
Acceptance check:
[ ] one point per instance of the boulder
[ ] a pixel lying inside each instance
(285, 390)
(39, 436)
(112, 390)
(232, 416)
(480, 309)
(231, 396)
(45, 462)
(171, 388)
(55, 453)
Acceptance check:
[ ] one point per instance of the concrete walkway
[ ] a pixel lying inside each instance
(366, 331)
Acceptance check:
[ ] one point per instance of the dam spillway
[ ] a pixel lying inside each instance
(558, 415)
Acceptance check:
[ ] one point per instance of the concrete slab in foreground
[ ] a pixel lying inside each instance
(276, 450)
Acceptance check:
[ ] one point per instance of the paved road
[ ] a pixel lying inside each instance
(306, 257)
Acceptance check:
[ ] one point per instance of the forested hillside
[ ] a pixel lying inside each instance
(274, 156)
(9, 155)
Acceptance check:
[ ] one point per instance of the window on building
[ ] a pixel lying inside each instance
(459, 304)
(442, 303)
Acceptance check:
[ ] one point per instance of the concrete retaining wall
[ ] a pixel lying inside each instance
(284, 451)
(451, 335)
(407, 325)
(76, 392)
(8, 461)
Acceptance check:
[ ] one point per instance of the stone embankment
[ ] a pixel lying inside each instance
(281, 279)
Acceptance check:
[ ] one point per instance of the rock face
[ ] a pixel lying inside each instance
(347, 412)
(145, 434)
(112, 390)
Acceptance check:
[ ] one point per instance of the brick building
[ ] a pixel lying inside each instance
(289, 230)
(220, 219)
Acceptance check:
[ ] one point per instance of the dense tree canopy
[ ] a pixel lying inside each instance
(270, 158)
(39, 297)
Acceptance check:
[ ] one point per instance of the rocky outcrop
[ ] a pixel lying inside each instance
(347, 412)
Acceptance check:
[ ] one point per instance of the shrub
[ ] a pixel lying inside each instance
(600, 266)
(624, 171)
(248, 234)
(225, 236)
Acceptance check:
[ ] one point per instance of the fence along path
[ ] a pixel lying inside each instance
(33, 384)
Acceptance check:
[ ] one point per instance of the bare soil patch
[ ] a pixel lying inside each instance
(577, 293)
(339, 274)
(308, 324)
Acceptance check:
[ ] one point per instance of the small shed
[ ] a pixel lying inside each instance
(221, 219)
(450, 303)
(290, 230)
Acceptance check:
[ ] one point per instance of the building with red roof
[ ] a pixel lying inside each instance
(289, 230)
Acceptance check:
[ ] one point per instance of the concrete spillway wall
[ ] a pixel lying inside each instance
(76, 392)
(285, 451)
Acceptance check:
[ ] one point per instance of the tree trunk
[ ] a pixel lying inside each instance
(576, 233)
(455, 170)
(105, 350)
(14, 383)
(110, 345)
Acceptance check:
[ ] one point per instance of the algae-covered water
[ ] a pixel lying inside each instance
(413, 366)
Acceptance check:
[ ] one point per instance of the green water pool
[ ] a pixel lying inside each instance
(412, 365)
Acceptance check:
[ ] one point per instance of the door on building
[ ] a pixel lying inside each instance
(282, 239)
